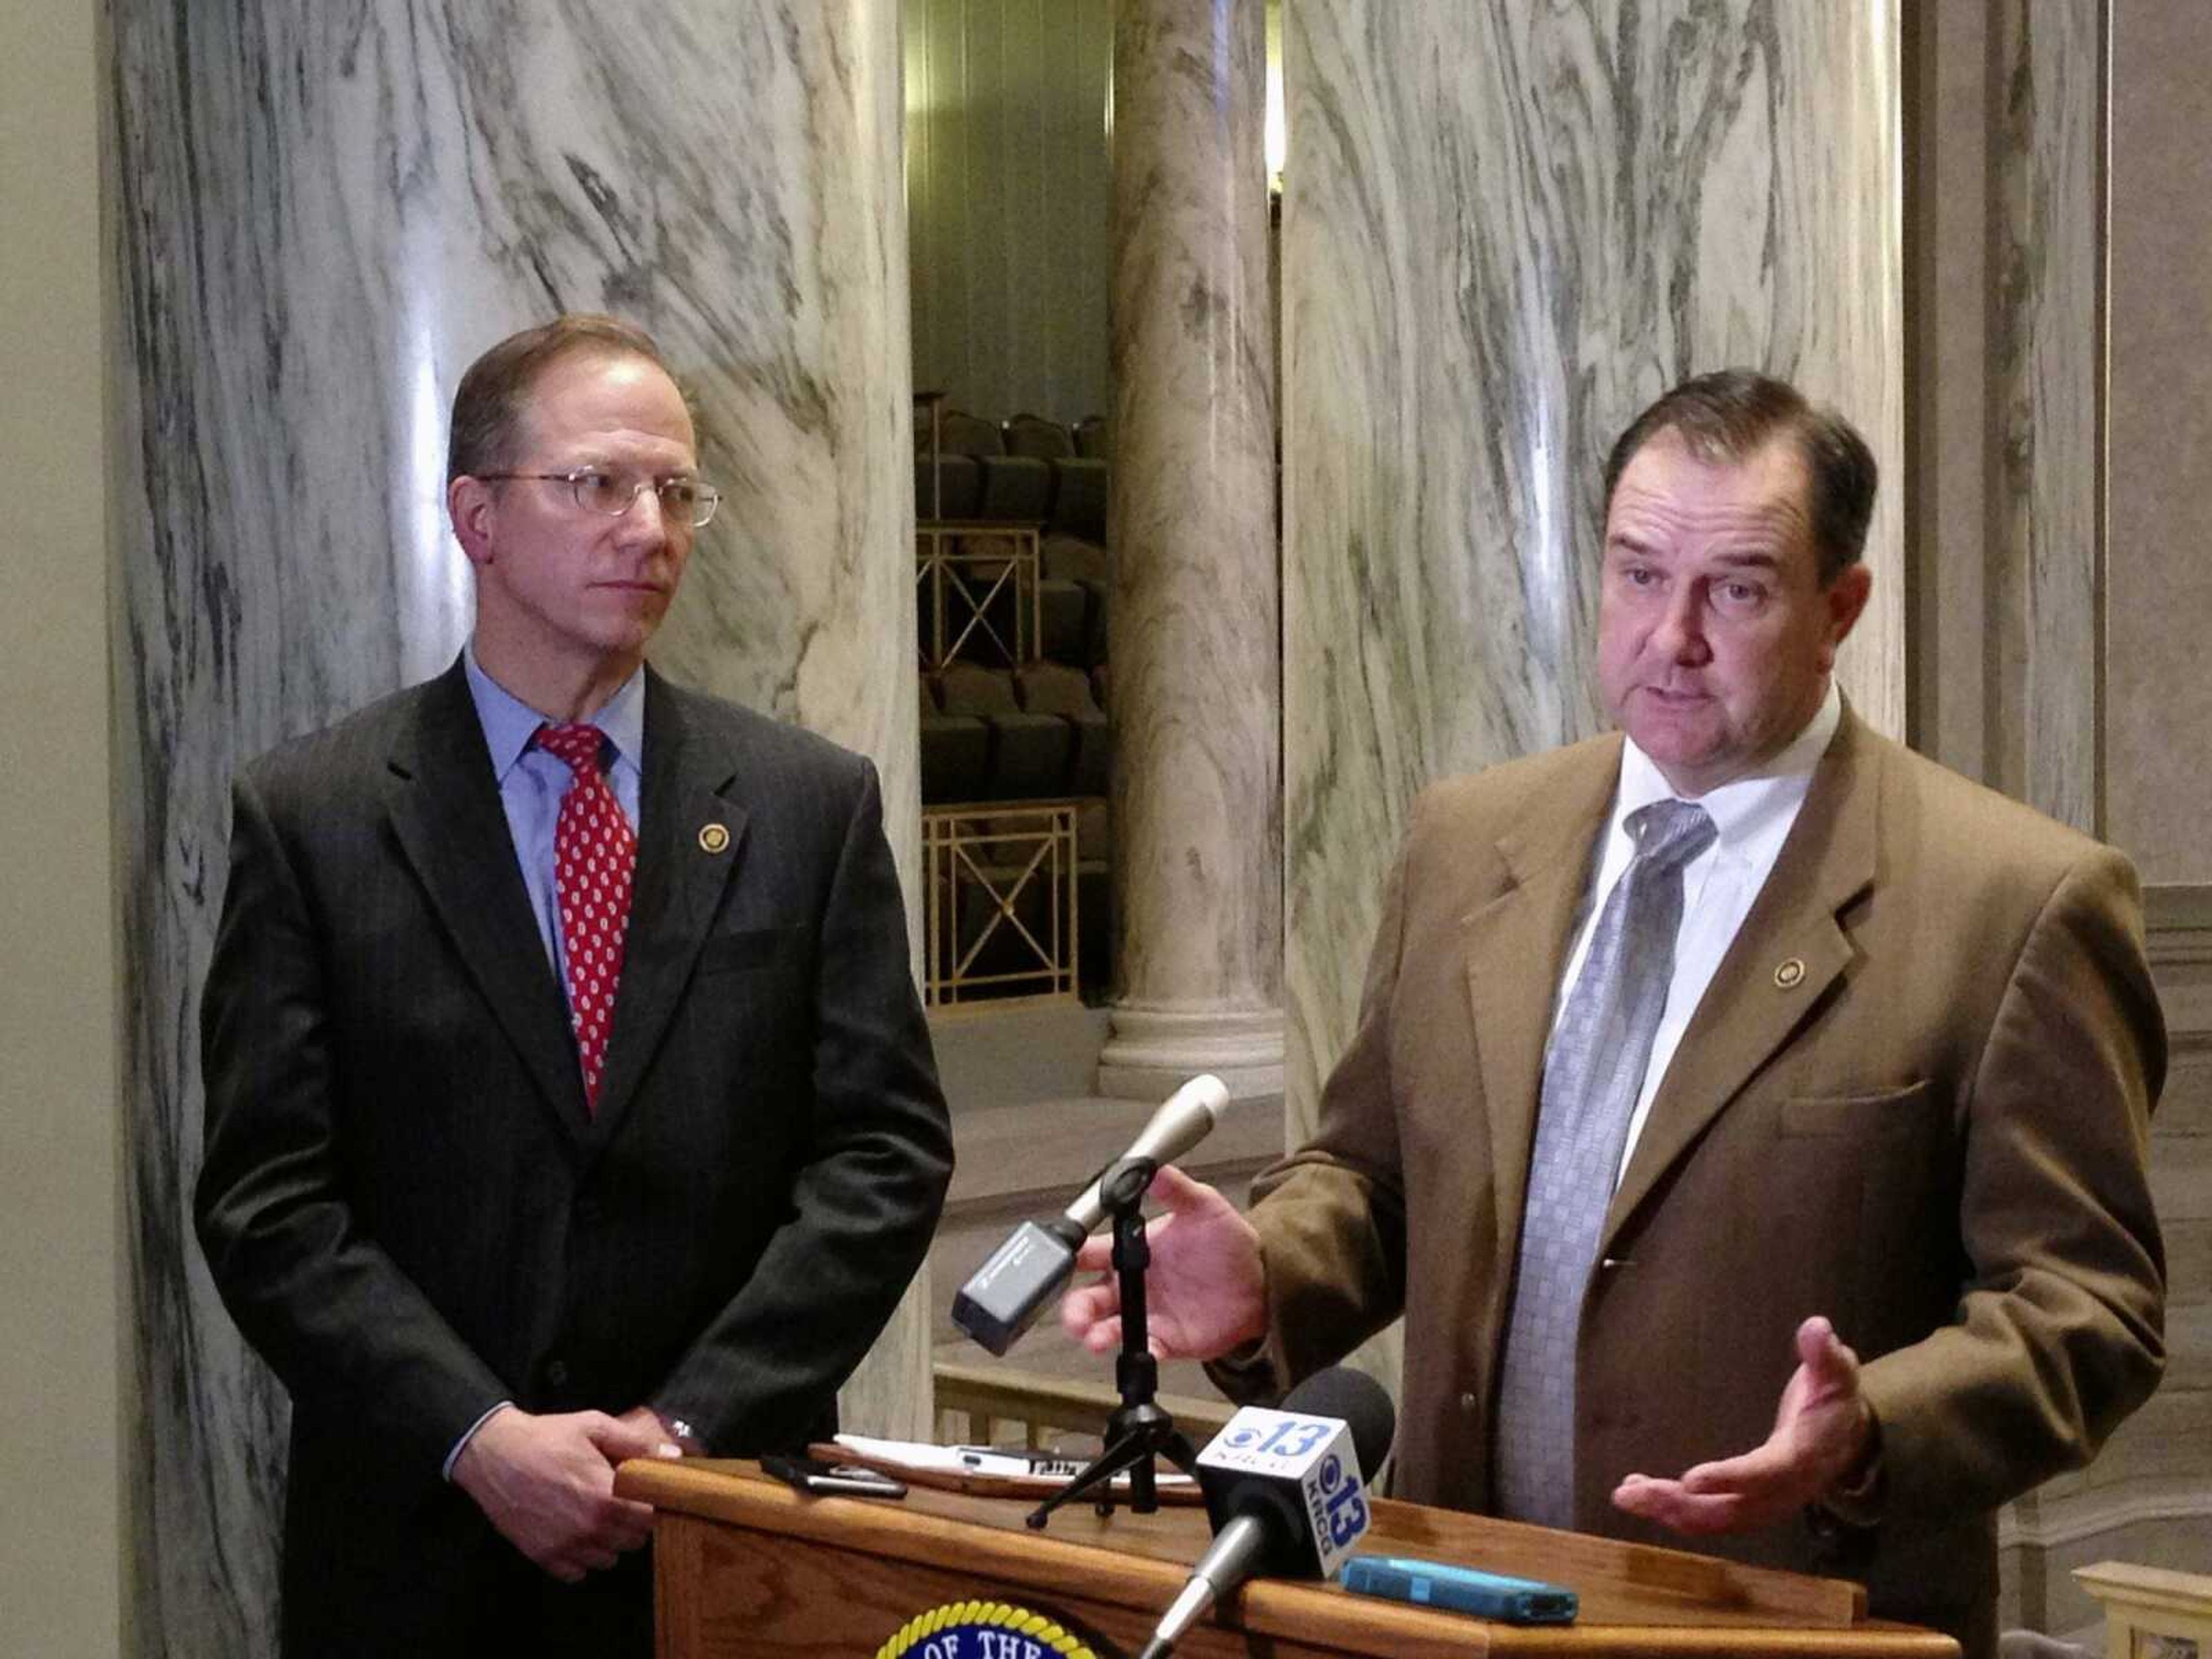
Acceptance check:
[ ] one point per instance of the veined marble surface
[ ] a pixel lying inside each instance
(1507, 230)
(319, 216)
(2048, 562)
(1194, 648)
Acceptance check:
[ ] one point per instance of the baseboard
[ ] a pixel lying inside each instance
(2177, 909)
(2077, 1521)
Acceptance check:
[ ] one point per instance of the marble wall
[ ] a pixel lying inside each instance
(318, 217)
(2096, 612)
(2010, 564)
(1506, 229)
(2158, 609)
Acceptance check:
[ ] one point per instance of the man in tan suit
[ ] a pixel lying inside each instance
(1897, 1099)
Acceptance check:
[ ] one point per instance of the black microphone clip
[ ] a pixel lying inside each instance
(1003, 1297)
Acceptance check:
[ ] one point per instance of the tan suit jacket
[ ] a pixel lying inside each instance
(1915, 1098)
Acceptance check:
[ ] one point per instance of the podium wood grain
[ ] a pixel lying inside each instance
(748, 1568)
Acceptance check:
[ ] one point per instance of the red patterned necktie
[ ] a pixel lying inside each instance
(594, 858)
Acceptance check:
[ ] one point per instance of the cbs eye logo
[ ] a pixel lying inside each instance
(1347, 1519)
(1331, 1473)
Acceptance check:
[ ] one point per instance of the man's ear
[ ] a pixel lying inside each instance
(469, 504)
(1846, 599)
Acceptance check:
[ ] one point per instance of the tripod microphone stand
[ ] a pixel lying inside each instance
(1140, 1429)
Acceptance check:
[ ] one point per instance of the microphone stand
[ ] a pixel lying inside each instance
(1140, 1429)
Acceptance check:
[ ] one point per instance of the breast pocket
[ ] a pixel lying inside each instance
(1859, 1116)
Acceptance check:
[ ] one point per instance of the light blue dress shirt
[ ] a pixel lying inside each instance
(532, 781)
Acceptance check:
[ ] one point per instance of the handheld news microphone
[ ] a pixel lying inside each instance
(1003, 1297)
(1285, 1491)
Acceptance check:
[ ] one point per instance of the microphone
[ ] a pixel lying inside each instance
(1003, 1297)
(1284, 1490)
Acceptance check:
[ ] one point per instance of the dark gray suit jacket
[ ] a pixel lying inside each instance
(411, 1214)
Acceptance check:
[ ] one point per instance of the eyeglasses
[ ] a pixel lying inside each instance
(682, 500)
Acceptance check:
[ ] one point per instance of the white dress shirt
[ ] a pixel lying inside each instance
(1753, 815)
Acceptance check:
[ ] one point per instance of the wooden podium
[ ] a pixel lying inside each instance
(745, 1566)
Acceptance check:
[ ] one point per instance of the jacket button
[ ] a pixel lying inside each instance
(557, 1372)
(1467, 1401)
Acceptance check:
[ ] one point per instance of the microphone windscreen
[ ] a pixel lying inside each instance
(1358, 1400)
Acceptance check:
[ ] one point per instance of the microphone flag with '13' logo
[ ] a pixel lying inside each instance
(1302, 1463)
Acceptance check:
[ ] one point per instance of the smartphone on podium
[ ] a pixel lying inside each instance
(1460, 1590)
(818, 1475)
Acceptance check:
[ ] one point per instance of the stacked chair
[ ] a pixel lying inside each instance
(1002, 726)
(1030, 470)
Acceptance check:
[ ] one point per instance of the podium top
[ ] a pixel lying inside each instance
(1634, 1597)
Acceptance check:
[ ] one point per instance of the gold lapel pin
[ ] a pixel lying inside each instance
(1789, 974)
(714, 838)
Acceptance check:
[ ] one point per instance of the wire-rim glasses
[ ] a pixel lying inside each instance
(683, 499)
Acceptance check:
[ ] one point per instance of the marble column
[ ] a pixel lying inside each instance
(318, 217)
(2046, 329)
(2007, 230)
(1197, 826)
(1506, 229)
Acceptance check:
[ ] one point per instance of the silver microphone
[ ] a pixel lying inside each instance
(1185, 1118)
(1003, 1297)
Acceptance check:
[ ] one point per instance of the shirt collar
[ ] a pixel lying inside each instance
(509, 723)
(1741, 807)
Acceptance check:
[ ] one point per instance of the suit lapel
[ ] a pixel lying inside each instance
(1791, 949)
(446, 811)
(1516, 945)
(690, 837)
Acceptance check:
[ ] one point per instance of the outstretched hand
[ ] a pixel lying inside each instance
(1206, 1291)
(1824, 1435)
(547, 1484)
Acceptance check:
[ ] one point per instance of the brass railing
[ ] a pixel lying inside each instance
(999, 886)
(979, 589)
(994, 1405)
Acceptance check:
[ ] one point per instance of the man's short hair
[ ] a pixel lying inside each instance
(488, 403)
(1731, 415)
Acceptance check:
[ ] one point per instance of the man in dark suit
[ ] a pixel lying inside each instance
(1889, 1087)
(568, 1099)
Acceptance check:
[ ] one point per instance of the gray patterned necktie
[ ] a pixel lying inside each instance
(1593, 1073)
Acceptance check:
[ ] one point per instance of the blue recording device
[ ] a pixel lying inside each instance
(1460, 1590)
